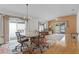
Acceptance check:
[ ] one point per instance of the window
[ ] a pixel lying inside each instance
(14, 26)
(41, 28)
(21, 28)
(57, 28)
(60, 28)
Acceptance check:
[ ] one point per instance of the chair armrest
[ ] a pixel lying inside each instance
(22, 36)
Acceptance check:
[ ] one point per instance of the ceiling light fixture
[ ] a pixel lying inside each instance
(27, 13)
(27, 17)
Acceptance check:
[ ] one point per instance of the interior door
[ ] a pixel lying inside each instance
(1, 30)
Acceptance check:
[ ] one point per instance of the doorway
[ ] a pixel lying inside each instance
(15, 25)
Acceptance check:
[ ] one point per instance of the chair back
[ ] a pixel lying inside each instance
(18, 36)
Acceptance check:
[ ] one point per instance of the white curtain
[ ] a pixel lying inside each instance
(1, 30)
(6, 28)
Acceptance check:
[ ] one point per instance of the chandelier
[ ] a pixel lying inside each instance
(27, 17)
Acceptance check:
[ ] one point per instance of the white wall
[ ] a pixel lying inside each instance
(78, 25)
(78, 22)
(32, 26)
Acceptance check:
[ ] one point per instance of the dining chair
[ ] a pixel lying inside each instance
(21, 39)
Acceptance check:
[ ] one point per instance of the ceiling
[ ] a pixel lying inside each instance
(43, 12)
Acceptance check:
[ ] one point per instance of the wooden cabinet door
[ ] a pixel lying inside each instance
(74, 40)
(71, 40)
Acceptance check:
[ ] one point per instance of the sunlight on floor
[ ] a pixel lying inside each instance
(7, 48)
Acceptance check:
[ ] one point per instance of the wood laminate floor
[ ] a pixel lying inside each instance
(59, 49)
(54, 49)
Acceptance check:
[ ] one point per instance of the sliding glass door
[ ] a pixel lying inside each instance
(12, 30)
(16, 26)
